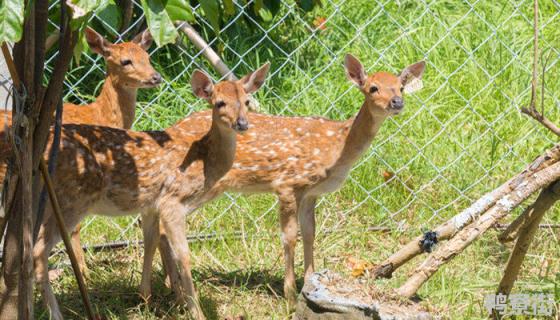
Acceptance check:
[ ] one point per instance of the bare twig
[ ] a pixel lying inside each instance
(544, 121)
(532, 110)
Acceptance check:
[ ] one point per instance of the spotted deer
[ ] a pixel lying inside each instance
(115, 172)
(301, 158)
(128, 69)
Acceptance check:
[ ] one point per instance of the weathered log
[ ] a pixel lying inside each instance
(448, 229)
(467, 235)
(326, 296)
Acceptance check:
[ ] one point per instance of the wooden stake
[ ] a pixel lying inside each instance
(66, 239)
(546, 199)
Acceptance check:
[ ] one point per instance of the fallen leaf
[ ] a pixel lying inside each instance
(358, 266)
(320, 23)
(388, 175)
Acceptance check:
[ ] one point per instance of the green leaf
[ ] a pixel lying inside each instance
(229, 7)
(273, 6)
(82, 11)
(80, 47)
(258, 6)
(306, 5)
(179, 10)
(265, 14)
(161, 27)
(111, 16)
(212, 11)
(11, 20)
(81, 8)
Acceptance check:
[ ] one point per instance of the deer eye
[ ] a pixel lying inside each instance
(126, 62)
(247, 103)
(373, 89)
(220, 104)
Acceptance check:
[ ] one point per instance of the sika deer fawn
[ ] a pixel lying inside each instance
(301, 158)
(128, 69)
(116, 172)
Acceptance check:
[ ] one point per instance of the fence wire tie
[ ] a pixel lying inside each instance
(429, 241)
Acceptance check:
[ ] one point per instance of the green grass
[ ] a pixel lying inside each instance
(459, 137)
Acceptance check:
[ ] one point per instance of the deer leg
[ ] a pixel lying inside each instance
(172, 279)
(150, 230)
(48, 237)
(288, 225)
(78, 251)
(173, 224)
(306, 215)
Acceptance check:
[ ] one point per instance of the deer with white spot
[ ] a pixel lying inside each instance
(128, 69)
(301, 158)
(115, 172)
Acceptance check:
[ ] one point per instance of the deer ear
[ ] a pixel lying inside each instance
(144, 39)
(411, 77)
(354, 70)
(202, 85)
(254, 80)
(97, 43)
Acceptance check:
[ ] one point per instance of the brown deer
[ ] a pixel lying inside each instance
(128, 69)
(301, 158)
(117, 172)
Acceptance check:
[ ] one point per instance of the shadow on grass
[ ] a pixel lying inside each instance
(249, 280)
(117, 298)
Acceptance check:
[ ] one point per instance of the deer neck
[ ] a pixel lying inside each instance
(219, 145)
(363, 129)
(117, 103)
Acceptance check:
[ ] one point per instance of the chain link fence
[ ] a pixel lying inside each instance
(459, 137)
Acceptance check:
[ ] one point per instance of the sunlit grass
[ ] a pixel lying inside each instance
(459, 137)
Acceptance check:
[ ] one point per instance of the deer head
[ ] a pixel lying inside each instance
(128, 63)
(229, 99)
(382, 90)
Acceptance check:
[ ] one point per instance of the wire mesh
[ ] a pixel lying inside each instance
(460, 136)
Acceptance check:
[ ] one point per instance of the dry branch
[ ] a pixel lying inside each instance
(468, 234)
(448, 229)
(206, 50)
(536, 211)
(212, 57)
(532, 110)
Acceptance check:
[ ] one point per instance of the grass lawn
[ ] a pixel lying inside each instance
(459, 137)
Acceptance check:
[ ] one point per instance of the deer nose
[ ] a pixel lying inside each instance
(241, 124)
(156, 78)
(397, 103)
